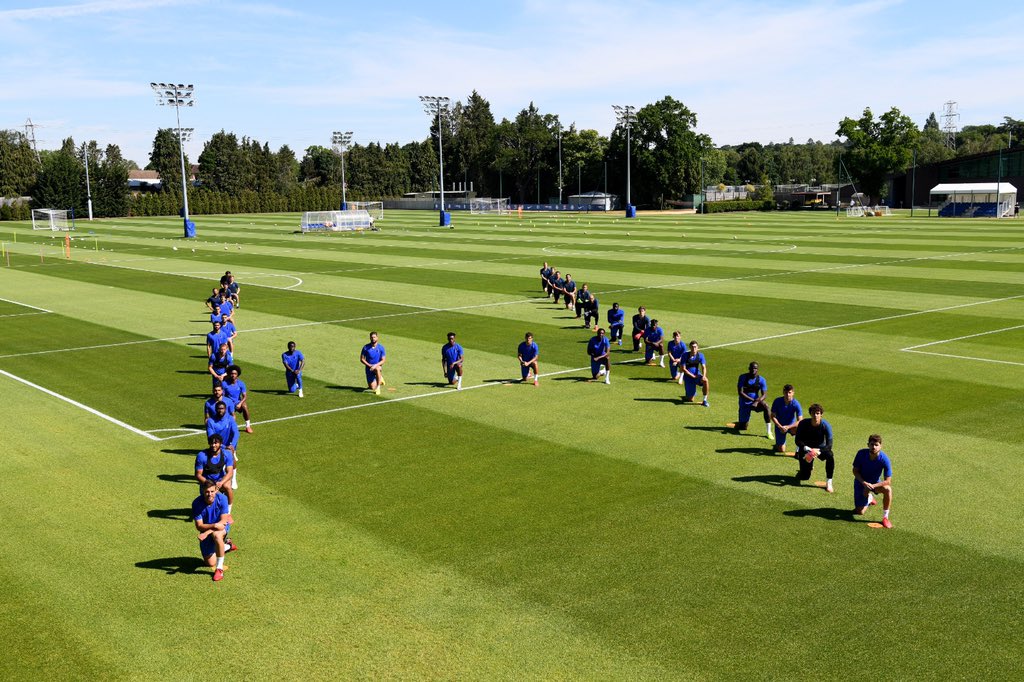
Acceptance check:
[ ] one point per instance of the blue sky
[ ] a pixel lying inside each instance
(291, 73)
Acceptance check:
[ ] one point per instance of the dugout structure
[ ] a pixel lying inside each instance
(485, 205)
(337, 221)
(974, 199)
(55, 219)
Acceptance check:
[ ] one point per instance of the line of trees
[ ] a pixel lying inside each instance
(516, 158)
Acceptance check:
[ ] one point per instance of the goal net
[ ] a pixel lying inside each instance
(488, 205)
(374, 208)
(52, 219)
(336, 221)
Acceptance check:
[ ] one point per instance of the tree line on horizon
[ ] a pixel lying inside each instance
(516, 158)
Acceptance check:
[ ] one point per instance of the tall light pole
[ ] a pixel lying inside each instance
(625, 115)
(88, 188)
(435, 106)
(559, 163)
(341, 141)
(178, 96)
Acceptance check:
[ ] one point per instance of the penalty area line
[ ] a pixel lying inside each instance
(24, 305)
(79, 405)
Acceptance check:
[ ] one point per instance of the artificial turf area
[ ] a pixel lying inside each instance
(573, 530)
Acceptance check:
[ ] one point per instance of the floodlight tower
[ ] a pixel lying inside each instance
(178, 96)
(435, 106)
(341, 142)
(625, 115)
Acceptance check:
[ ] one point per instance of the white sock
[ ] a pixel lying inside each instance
(229, 509)
(607, 377)
(885, 513)
(828, 482)
(248, 423)
(661, 361)
(220, 563)
(234, 481)
(871, 498)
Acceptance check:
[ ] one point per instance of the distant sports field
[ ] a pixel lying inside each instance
(571, 530)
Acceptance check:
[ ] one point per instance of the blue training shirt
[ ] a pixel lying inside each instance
(749, 384)
(786, 414)
(694, 363)
(235, 390)
(214, 466)
(528, 351)
(373, 354)
(226, 428)
(871, 470)
(209, 514)
(451, 353)
(598, 346)
(293, 360)
(654, 334)
(676, 350)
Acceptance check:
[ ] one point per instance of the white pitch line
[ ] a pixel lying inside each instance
(38, 312)
(77, 404)
(875, 319)
(963, 357)
(961, 338)
(26, 305)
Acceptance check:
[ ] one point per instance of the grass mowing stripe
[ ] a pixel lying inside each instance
(79, 405)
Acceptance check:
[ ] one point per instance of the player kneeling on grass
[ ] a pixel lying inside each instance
(218, 364)
(598, 348)
(223, 424)
(616, 323)
(786, 415)
(545, 273)
(753, 388)
(872, 473)
(695, 373)
(218, 465)
(210, 406)
(294, 362)
(640, 324)
(654, 344)
(234, 388)
(373, 357)
(528, 354)
(814, 441)
(451, 361)
(210, 512)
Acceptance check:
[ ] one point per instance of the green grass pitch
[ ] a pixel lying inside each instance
(569, 531)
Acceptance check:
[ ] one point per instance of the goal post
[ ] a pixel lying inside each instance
(55, 219)
(337, 221)
(482, 205)
(374, 208)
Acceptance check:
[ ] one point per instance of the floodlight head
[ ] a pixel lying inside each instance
(341, 140)
(185, 134)
(434, 105)
(174, 95)
(625, 115)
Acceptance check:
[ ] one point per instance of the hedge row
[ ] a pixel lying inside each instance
(206, 202)
(738, 205)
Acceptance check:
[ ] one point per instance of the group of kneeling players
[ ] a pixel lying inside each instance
(872, 469)
(216, 467)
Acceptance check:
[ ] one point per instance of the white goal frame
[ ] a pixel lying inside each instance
(374, 208)
(336, 221)
(55, 219)
(482, 205)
